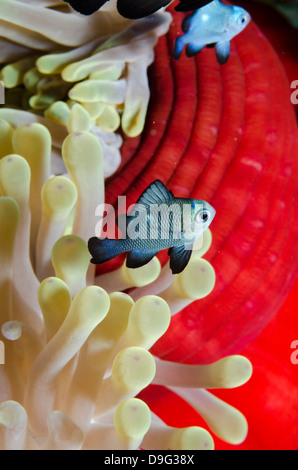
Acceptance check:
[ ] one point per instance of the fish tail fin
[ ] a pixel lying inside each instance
(178, 47)
(103, 249)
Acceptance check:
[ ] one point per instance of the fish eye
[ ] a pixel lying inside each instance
(241, 19)
(203, 216)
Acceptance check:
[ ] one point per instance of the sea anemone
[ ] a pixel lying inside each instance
(233, 144)
(95, 80)
(270, 414)
(112, 76)
(76, 356)
(76, 345)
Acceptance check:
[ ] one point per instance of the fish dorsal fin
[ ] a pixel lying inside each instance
(156, 193)
(212, 6)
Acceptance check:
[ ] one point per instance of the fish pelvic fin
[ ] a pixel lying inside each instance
(179, 257)
(138, 258)
(192, 49)
(178, 47)
(104, 249)
(222, 51)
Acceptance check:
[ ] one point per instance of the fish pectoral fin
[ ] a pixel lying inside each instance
(138, 258)
(179, 257)
(192, 49)
(222, 51)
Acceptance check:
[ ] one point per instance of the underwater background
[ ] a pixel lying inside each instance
(83, 370)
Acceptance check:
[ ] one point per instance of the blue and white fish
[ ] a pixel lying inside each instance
(158, 221)
(212, 25)
(134, 9)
